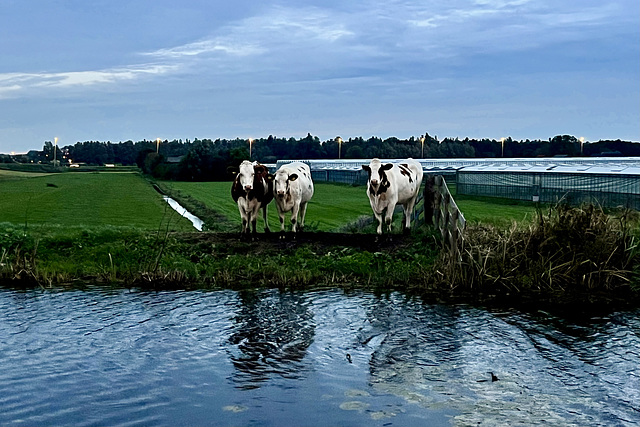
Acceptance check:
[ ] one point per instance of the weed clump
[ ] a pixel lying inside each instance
(566, 249)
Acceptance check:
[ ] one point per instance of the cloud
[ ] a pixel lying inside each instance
(13, 84)
(202, 47)
(278, 29)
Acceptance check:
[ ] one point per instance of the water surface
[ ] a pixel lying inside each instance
(126, 357)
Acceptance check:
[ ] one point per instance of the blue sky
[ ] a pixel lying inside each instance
(112, 70)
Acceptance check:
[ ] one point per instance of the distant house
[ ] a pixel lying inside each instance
(173, 159)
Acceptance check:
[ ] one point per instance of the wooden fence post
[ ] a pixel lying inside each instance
(441, 210)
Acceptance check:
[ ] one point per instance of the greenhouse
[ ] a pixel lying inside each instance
(610, 181)
(610, 185)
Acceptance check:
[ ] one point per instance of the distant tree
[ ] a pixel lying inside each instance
(354, 152)
(142, 156)
(151, 161)
(567, 145)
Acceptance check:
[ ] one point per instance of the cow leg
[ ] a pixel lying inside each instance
(294, 217)
(408, 211)
(264, 217)
(253, 226)
(245, 220)
(253, 217)
(379, 219)
(406, 220)
(303, 213)
(388, 218)
(281, 215)
(245, 226)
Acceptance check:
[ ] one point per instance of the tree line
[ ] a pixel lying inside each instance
(206, 159)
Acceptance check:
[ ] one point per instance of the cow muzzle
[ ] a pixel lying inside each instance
(247, 188)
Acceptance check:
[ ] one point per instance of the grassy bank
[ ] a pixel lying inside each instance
(134, 257)
(115, 229)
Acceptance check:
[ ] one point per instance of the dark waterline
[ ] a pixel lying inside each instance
(123, 357)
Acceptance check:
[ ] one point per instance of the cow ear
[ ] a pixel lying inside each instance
(366, 167)
(293, 177)
(387, 166)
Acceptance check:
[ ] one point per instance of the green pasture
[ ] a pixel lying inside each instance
(9, 175)
(499, 212)
(335, 205)
(332, 205)
(127, 199)
(87, 199)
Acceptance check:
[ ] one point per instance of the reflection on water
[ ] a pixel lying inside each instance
(120, 357)
(547, 371)
(272, 333)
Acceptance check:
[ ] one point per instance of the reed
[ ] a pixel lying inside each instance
(564, 250)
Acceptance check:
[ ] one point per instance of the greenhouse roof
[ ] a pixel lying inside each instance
(576, 164)
(611, 169)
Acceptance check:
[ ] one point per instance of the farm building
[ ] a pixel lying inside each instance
(609, 184)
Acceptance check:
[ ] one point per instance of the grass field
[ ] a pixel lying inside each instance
(499, 212)
(335, 205)
(332, 205)
(10, 175)
(126, 199)
(109, 227)
(87, 199)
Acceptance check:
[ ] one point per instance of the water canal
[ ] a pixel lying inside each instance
(270, 358)
(197, 222)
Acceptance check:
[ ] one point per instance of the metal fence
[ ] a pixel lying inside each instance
(353, 177)
(611, 189)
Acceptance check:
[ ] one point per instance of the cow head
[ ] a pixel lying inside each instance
(377, 173)
(246, 175)
(281, 183)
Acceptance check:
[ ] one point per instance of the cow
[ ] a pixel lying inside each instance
(292, 189)
(390, 184)
(252, 190)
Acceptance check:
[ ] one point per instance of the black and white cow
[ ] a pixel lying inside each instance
(252, 190)
(390, 184)
(292, 189)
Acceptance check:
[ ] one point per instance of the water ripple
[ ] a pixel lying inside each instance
(127, 357)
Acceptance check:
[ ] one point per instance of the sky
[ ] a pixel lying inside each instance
(114, 70)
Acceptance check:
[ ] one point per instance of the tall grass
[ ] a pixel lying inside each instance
(563, 250)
